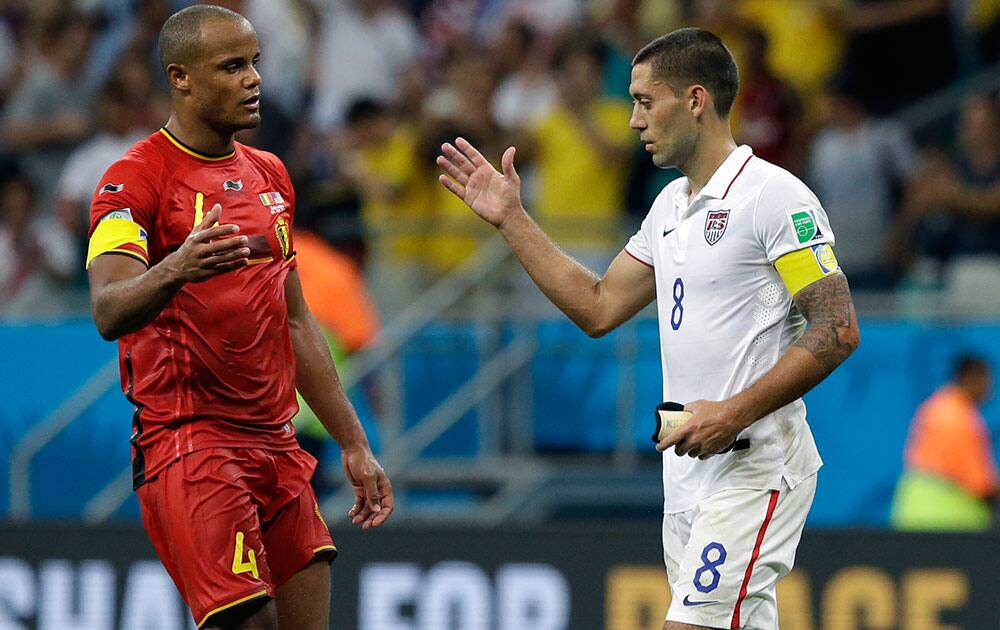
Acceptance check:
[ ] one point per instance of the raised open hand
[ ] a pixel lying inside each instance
(494, 196)
(210, 250)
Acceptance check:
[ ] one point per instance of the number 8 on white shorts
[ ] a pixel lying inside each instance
(725, 556)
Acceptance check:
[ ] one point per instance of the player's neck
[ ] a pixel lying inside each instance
(706, 159)
(199, 136)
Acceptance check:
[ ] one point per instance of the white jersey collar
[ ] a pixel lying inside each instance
(722, 180)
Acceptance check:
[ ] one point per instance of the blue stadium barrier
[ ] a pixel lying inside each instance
(859, 416)
(44, 364)
(436, 362)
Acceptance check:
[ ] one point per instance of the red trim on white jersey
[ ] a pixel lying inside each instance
(756, 551)
(737, 175)
(637, 258)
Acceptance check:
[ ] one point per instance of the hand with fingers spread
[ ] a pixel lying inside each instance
(373, 500)
(494, 196)
(209, 250)
(713, 428)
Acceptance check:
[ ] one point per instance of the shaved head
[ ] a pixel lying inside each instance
(210, 56)
(180, 39)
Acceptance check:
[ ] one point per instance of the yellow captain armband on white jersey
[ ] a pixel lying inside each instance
(802, 267)
(117, 233)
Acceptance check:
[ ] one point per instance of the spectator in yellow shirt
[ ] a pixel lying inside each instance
(807, 39)
(581, 154)
(381, 157)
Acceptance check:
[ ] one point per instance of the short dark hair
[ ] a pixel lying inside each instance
(59, 23)
(967, 365)
(115, 91)
(180, 36)
(693, 55)
(587, 46)
(364, 109)
(15, 178)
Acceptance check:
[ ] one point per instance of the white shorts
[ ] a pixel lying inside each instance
(725, 556)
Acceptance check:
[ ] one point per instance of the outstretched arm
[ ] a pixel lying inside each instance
(596, 304)
(316, 379)
(831, 337)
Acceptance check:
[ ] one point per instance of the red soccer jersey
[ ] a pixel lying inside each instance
(216, 367)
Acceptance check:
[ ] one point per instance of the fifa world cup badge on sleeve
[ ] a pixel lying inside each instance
(804, 225)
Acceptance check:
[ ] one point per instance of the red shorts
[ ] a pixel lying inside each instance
(234, 524)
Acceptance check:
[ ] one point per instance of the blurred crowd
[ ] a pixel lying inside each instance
(359, 94)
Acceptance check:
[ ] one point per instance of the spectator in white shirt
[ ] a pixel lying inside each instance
(37, 255)
(857, 165)
(364, 46)
(121, 124)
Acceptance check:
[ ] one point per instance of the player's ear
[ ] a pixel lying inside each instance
(178, 77)
(698, 100)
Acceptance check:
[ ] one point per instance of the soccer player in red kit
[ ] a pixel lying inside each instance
(192, 269)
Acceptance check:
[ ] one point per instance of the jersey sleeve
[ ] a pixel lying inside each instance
(121, 212)
(638, 246)
(789, 217)
(794, 232)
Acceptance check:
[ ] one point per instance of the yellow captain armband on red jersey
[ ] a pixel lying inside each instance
(117, 233)
(802, 267)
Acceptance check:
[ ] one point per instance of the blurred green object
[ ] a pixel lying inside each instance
(306, 421)
(927, 503)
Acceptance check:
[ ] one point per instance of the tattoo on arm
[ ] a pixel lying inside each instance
(833, 326)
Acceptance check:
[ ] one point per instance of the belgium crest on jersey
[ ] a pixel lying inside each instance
(715, 225)
(281, 233)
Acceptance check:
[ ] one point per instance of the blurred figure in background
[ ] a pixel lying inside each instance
(527, 92)
(581, 151)
(48, 112)
(856, 165)
(10, 54)
(364, 47)
(954, 209)
(125, 30)
(150, 102)
(982, 21)
(460, 106)
(38, 256)
(768, 107)
(378, 157)
(121, 123)
(617, 24)
(885, 36)
(950, 477)
(549, 18)
(806, 38)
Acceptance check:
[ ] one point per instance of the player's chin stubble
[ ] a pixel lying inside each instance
(246, 121)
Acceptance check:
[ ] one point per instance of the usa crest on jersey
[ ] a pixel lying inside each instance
(715, 225)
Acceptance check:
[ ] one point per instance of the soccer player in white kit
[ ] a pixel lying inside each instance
(753, 310)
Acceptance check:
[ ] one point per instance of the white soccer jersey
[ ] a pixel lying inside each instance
(725, 315)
